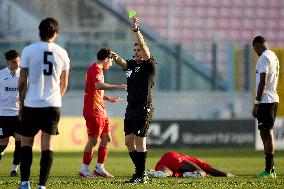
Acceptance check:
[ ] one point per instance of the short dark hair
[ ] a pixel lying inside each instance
(103, 53)
(47, 28)
(258, 39)
(11, 55)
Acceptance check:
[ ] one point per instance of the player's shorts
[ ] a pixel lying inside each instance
(8, 126)
(266, 114)
(96, 126)
(137, 119)
(35, 119)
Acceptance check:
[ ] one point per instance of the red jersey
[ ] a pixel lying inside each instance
(174, 160)
(94, 98)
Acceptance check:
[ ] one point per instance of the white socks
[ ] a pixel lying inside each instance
(84, 167)
(99, 165)
(15, 168)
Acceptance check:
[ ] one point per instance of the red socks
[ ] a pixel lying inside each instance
(102, 154)
(87, 157)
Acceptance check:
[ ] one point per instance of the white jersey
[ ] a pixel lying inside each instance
(45, 63)
(9, 94)
(268, 63)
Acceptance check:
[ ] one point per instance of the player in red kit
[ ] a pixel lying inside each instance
(95, 114)
(177, 165)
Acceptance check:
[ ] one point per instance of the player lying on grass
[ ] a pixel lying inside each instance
(173, 164)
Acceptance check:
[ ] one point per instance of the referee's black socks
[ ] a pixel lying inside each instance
(269, 162)
(26, 162)
(45, 165)
(16, 154)
(141, 161)
(133, 158)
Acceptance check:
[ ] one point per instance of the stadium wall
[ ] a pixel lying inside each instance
(175, 105)
(73, 135)
(168, 133)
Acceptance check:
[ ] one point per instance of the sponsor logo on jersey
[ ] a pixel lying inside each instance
(128, 73)
(11, 88)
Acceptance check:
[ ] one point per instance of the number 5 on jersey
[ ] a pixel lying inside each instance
(48, 65)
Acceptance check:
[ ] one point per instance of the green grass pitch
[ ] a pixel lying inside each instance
(245, 163)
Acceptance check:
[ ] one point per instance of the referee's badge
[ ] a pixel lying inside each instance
(137, 69)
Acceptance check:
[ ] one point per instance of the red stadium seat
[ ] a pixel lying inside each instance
(203, 20)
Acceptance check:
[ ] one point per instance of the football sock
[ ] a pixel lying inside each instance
(102, 154)
(133, 158)
(41, 187)
(14, 167)
(99, 166)
(2, 148)
(26, 162)
(145, 158)
(45, 165)
(16, 160)
(84, 167)
(141, 160)
(269, 162)
(87, 158)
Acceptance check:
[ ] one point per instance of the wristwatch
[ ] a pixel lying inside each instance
(136, 30)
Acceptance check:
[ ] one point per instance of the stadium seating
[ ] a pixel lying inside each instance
(202, 20)
(196, 24)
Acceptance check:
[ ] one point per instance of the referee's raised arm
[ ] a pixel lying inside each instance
(140, 39)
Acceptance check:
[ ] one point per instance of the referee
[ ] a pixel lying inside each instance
(140, 73)
(43, 82)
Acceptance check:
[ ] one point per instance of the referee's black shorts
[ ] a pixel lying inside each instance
(35, 119)
(8, 126)
(266, 114)
(137, 119)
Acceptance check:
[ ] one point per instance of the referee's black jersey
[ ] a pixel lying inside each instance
(140, 81)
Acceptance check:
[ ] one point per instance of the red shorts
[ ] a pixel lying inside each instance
(199, 162)
(97, 125)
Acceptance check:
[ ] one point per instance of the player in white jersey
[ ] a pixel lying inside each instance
(266, 100)
(9, 106)
(43, 82)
